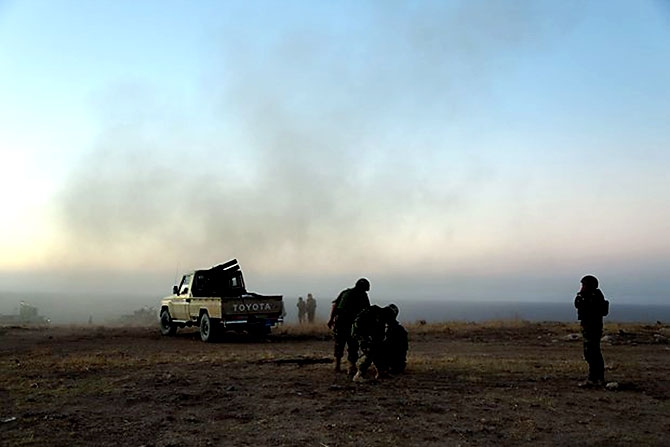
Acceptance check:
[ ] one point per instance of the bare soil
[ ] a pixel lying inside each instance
(506, 384)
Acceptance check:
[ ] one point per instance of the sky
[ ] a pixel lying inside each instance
(443, 149)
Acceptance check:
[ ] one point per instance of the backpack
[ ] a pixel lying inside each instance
(605, 308)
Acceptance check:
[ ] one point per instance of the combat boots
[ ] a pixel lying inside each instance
(338, 364)
(360, 378)
(382, 375)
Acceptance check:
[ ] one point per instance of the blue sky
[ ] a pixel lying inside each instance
(397, 140)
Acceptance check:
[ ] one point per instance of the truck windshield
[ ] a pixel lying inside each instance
(183, 287)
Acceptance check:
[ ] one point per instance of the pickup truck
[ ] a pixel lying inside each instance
(216, 299)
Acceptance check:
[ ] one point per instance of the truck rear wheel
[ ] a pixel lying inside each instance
(208, 329)
(167, 326)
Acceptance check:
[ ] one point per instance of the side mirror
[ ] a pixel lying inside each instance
(175, 290)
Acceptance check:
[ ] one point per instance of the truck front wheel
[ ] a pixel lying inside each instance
(207, 329)
(167, 326)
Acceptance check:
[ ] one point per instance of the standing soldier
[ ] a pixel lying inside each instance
(301, 310)
(311, 308)
(591, 308)
(348, 304)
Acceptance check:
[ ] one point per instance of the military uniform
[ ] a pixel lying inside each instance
(369, 329)
(311, 308)
(301, 310)
(348, 304)
(394, 348)
(591, 307)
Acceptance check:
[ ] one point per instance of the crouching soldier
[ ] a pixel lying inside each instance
(395, 345)
(591, 308)
(370, 328)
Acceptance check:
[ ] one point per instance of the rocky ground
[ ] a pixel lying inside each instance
(505, 383)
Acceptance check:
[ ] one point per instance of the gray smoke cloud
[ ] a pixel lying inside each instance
(302, 153)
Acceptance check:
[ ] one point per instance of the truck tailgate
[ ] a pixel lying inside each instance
(252, 304)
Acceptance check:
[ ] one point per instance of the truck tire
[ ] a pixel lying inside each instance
(167, 326)
(208, 329)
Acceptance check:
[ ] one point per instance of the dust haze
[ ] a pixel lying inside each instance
(296, 166)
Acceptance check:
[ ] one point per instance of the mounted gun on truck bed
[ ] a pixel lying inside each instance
(216, 299)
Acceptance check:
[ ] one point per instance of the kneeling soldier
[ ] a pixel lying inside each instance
(395, 346)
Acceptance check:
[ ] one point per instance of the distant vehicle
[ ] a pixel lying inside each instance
(216, 299)
(28, 315)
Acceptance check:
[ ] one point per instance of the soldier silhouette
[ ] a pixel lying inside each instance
(375, 329)
(311, 308)
(346, 307)
(591, 308)
(301, 310)
(395, 345)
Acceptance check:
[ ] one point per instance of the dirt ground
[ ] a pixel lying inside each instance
(505, 384)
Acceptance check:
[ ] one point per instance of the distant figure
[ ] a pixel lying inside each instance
(311, 308)
(370, 329)
(90, 320)
(348, 304)
(301, 310)
(591, 308)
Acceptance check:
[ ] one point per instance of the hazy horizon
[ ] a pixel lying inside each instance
(118, 309)
(66, 299)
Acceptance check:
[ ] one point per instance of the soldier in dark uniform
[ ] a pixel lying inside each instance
(591, 308)
(348, 304)
(395, 346)
(370, 329)
(310, 305)
(301, 310)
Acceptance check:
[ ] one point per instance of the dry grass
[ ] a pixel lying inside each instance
(320, 329)
(477, 365)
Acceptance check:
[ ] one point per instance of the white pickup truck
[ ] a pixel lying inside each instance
(215, 299)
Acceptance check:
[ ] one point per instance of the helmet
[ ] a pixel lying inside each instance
(590, 281)
(363, 284)
(393, 308)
